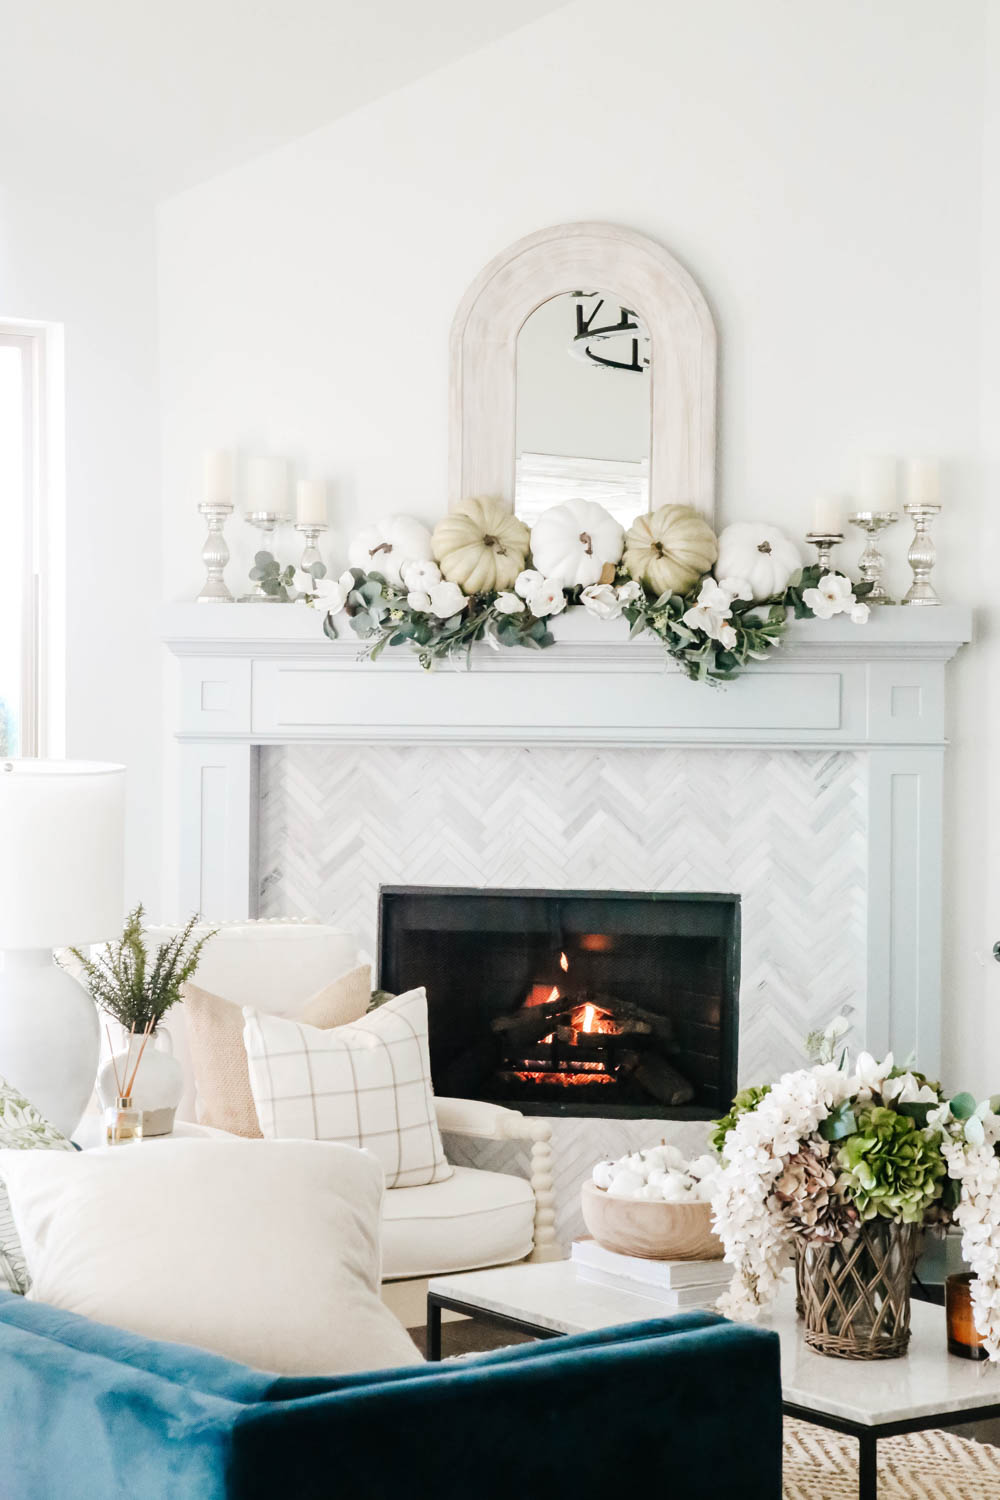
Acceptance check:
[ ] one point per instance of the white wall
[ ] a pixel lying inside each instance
(82, 257)
(816, 166)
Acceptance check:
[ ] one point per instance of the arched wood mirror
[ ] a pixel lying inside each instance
(583, 363)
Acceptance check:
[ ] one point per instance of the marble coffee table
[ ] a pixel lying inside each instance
(870, 1399)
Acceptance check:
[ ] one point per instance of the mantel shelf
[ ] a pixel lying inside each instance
(294, 630)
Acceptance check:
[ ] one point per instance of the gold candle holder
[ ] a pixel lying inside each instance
(964, 1339)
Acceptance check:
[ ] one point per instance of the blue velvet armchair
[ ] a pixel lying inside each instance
(686, 1408)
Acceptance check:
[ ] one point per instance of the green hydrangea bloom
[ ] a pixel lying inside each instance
(891, 1167)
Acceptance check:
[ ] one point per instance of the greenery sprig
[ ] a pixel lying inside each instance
(379, 613)
(279, 583)
(133, 989)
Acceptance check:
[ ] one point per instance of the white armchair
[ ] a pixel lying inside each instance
(473, 1219)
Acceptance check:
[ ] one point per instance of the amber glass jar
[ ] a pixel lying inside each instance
(963, 1336)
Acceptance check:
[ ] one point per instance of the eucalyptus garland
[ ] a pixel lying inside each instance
(711, 632)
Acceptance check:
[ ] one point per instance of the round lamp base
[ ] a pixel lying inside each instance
(49, 1037)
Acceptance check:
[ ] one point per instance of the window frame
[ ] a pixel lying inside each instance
(32, 708)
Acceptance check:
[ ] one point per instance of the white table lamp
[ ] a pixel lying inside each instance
(61, 885)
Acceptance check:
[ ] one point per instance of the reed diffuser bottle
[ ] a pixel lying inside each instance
(122, 1122)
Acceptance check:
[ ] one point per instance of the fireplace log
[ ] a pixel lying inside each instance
(662, 1080)
(523, 1027)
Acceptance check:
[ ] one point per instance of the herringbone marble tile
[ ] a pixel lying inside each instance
(787, 830)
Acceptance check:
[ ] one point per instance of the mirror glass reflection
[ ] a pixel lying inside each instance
(584, 381)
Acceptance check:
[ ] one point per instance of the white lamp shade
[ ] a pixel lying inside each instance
(62, 826)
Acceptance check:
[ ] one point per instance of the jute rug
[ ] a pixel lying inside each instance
(823, 1465)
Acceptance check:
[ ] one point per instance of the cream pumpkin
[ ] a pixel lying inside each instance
(670, 549)
(481, 546)
(573, 541)
(762, 555)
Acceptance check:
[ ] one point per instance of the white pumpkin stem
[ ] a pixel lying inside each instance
(588, 544)
(764, 547)
(382, 547)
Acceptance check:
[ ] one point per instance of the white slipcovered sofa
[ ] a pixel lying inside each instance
(474, 1218)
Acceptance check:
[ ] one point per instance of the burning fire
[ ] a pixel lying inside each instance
(564, 963)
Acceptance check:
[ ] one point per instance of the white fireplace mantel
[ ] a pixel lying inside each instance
(255, 675)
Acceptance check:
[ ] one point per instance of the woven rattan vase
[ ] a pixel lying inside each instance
(856, 1295)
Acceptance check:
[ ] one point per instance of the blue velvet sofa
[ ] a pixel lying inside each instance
(687, 1408)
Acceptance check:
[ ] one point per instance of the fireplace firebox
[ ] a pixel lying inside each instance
(613, 1003)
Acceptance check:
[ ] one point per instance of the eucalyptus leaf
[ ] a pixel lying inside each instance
(962, 1106)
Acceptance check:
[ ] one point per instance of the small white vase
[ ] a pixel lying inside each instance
(159, 1081)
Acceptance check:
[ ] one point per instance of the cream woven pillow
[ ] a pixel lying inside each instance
(215, 1037)
(366, 1085)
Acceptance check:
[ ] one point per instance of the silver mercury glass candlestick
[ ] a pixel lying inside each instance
(922, 555)
(824, 542)
(215, 552)
(311, 530)
(267, 522)
(871, 562)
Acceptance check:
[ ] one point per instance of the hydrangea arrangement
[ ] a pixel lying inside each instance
(658, 1175)
(486, 584)
(827, 1148)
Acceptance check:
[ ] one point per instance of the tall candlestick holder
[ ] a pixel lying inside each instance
(215, 553)
(267, 523)
(824, 542)
(922, 555)
(871, 562)
(312, 531)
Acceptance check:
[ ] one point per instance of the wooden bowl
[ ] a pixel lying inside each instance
(654, 1231)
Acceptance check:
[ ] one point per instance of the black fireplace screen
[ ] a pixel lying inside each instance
(572, 1002)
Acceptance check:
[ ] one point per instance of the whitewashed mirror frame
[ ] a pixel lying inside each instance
(483, 397)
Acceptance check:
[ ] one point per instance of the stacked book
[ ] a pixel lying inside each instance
(674, 1283)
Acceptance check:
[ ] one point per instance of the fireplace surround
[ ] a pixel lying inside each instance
(617, 1004)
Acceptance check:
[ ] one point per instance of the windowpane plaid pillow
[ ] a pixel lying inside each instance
(23, 1129)
(367, 1084)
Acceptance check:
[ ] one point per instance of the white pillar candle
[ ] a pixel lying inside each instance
(310, 502)
(267, 485)
(877, 482)
(923, 481)
(827, 519)
(217, 478)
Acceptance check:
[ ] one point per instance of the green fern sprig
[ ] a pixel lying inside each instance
(130, 988)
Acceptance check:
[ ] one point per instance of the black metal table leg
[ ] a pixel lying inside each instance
(867, 1466)
(433, 1327)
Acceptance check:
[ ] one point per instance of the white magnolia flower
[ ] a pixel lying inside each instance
(906, 1090)
(711, 611)
(629, 592)
(871, 1074)
(859, 612)
(334, 595)
(527, 582)
(832, 596)
(600, 600)
(446, 599)
(420, 575)
(547, 599)
(419, 601)
(509, 604)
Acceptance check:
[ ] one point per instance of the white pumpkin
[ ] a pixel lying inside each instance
(573, 541)
(762, 555)
(386, 546)
(481, 546)
(670, 549)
